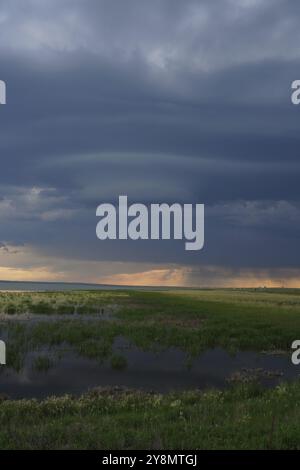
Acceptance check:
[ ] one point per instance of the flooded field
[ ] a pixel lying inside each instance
(60, 371)
(69, 343)
(214, 364)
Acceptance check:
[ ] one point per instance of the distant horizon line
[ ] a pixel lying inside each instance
(100, 284)
(132, 286)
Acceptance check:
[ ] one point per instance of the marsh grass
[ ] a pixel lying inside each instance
(192, 321)
(43, 363)
(69, 302)
(243, 417)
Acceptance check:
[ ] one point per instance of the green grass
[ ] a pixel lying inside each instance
(43, 363)
(244, 417)
(82, 302)
(232, 319)
(190, 320)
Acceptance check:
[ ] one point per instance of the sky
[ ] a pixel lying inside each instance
(165, 101)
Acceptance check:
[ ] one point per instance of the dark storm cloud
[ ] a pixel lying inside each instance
(164, 100)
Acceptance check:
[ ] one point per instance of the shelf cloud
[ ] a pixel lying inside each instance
(163, 101)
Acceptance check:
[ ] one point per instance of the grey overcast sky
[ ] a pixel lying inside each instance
(162, 100)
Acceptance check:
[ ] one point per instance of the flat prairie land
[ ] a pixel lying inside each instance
(169, 369)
